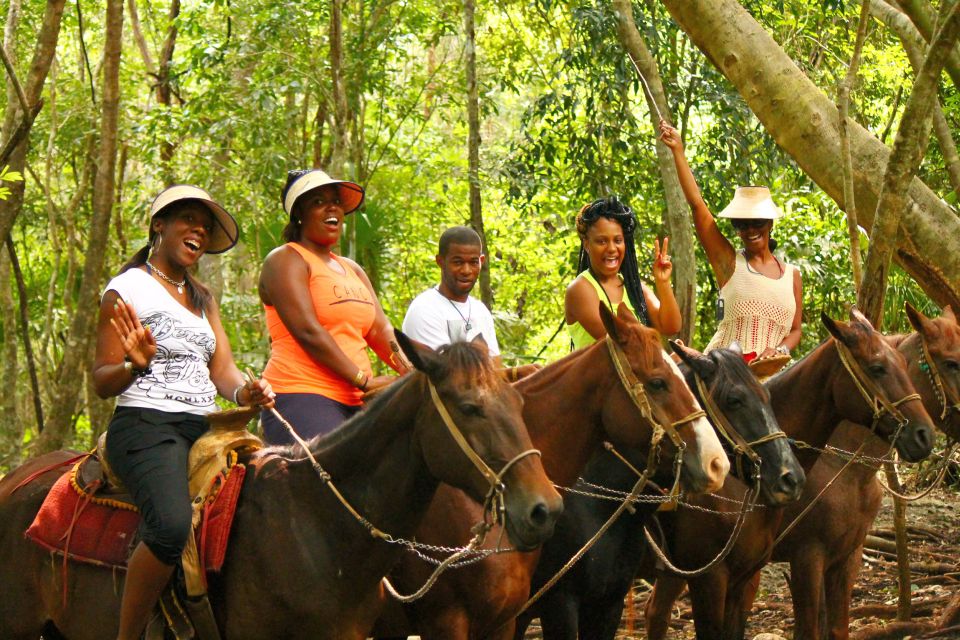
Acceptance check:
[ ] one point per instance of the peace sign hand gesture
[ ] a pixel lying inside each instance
(662, 266)
(137, 341)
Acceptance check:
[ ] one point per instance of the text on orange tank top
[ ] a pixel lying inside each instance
(345, 307)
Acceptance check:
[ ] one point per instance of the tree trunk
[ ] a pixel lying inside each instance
(909, 148)
(675, 217)
(915, 45)
(924, 19)
(76, 349)
(843, 109)
(339, 144)
(39, 67)
(473, 144)
(803, 120)
(165, 90)
(10, 372)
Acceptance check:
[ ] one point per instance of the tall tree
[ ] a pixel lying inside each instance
(473, 142)
(803, 122)
(675, 216)
(76, 348)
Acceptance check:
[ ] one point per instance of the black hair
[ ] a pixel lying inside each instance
(200, 296)
(458, 235)
(613, 209)
(293, 230)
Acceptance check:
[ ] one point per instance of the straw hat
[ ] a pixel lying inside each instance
(225, 233)
(752, 203)
(351, 194)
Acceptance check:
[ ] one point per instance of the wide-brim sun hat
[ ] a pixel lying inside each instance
(752, 203)
(225, 232)
(351, 194)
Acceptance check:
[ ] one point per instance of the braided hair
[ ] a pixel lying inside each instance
(612, 209)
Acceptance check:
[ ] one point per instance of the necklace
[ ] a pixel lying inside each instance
(466, 321)
(163, 276)
(754, 271)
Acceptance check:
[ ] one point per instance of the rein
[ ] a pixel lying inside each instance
(493, 502)
(929, 366)
(870, 392)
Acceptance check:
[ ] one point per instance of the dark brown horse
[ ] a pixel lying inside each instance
(569, 407)
(299, 564)
(809, 399)
(588, 601)
(824, 549)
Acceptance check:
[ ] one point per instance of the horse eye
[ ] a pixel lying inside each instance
(951, 365)
(734, 402)
(470, 409)
(877, 370)
(657, 384)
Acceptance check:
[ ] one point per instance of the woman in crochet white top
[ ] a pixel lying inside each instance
(760, 303)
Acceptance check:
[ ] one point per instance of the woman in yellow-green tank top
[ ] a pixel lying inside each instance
(608, 272)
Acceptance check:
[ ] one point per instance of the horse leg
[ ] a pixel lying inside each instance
(600, 621)
(559, 615)
(839, 589)
(708, 595)
(739, 603)
(806, 588)
(659, 605)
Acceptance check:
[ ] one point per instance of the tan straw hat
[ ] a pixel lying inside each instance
(752, 203)
(225, 232)
(351, 194)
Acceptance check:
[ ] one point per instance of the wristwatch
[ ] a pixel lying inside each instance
(784, 349)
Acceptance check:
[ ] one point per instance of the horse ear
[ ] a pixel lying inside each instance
(917, 320)
(736, 348)
(948, 314)
(480, 342)
(836, 328)
(421, 357)
(609, 322)
(624, 313)
(857, 316)
(702, 365)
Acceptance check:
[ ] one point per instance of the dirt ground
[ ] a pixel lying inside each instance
(935, 543)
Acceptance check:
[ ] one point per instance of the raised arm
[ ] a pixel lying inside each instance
(720, 252)
(581, 304)
(120, 338)
(662, 306)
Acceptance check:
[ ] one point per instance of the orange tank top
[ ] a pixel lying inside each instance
(345, 308)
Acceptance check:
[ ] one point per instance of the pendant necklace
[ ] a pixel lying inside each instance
(466, 321)
(163, 276)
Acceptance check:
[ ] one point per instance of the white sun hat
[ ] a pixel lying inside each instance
(752, 203)
(351, 194)
(225, 233)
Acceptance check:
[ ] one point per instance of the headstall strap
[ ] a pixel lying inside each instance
(928, 364)
(874, 398)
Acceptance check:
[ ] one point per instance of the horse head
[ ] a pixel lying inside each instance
(878, 390)
(472, 436)
(657, 383)
(743, 408)
(936, 372)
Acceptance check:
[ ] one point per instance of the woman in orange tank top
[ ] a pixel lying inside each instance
(321, 312)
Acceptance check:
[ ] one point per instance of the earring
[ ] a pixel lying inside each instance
(157, 241)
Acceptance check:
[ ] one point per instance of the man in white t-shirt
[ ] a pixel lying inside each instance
(447, 313)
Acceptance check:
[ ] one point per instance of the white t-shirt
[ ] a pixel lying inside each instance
(436, 320)
(179, 378)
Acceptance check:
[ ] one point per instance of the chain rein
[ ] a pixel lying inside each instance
(942, 391)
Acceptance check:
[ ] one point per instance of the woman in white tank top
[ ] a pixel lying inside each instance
(760, 302)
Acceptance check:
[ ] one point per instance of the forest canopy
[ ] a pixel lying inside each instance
(231, 95)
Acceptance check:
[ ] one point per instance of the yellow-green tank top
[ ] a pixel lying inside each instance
(577, 333)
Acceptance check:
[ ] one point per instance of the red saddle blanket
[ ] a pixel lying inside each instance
(100, 531)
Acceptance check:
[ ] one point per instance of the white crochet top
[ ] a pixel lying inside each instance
(758, 311)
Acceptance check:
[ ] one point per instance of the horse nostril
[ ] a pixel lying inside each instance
(788, 482)
(718, 468)
(923, 437)
(540, 515)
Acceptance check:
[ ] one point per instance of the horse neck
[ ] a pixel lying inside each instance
(802, 397)
(374, 461)
(562, 409)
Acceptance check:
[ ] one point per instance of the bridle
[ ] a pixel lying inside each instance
(742, 448)
(873, 395)
(943, 391)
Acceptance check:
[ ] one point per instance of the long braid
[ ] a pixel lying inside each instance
(612, 209)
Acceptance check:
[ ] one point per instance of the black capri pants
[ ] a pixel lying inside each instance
(147, 449)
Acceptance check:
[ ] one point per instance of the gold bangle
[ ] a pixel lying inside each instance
(358, 379)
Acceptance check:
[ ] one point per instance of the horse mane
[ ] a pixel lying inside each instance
(737, 373)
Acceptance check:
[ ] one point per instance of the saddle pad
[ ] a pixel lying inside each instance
(86, 529)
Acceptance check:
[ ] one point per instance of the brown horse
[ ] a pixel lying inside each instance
(809, 399)
(299, 564)
(824, 549)
(569, 407)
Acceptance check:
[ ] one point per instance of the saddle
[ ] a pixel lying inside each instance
(89, 517)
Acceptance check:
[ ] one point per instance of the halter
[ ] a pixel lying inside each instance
(929, 366)
(871, 393)
(741, 447)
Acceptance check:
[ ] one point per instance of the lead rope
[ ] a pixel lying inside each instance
(941, 475)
